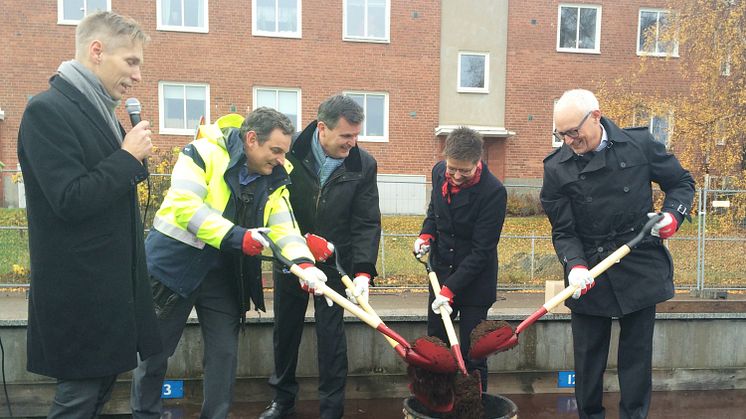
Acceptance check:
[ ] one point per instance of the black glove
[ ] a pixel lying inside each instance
(164, 299)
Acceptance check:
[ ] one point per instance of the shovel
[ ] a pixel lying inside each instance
(439, 362)
(503, 338)
(447, 322)
(403, 347)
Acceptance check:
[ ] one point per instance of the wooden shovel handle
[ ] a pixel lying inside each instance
(363, 302)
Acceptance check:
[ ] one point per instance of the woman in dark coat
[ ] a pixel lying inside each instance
(90, 305)
(462, 228)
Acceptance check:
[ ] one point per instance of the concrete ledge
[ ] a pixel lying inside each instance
(692, 351)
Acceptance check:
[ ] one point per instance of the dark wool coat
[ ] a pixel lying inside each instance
(90, 304)
(464, 254)
(595, 209)
(344, 211)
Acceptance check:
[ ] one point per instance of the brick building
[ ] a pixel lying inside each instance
(420, 67)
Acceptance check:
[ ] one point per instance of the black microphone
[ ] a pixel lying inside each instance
(133, 109)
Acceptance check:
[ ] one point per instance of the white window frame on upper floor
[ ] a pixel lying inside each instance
(277, 90)
(366, 37)
(363, 133)
(644, 117)
(162, 108)
(61, 12)
(205, 28)
(674, 53)
(555, 143)
(486, 88)
(576, 49)
(255, 31)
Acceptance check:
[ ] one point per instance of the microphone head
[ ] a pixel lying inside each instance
(132, 105)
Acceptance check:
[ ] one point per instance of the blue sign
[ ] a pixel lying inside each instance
(566, 379)
(172, 389)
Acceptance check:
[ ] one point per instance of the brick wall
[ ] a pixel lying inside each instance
(537, 74)
(232, 61)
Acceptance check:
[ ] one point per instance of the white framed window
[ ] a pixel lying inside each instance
(660, 125)
(376, 108)
(366, 20)
(555, 142)
(473, 72)
(285, 100)
(280, 18)
(579, 28)
(182, 15)
(71, 12)
(181, 106)
(650, 34)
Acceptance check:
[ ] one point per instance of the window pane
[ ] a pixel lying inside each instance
(171, 12)
(173, 101)
(377, 18)
(587, 36)
(196, 105)
(287, 103)
(72, 9)
(95, 5)
(647, 30)
(355, 17)
(265, 15)
(665, 45)
(659, 129)
(266, 98)
(194, 14)
(374, 116)
(568, 27)
(472, 71)
(288, 16)
(359, 99)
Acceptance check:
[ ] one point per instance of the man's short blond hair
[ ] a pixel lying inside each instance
(112, 29)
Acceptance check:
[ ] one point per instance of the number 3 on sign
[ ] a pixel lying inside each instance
(172, 389)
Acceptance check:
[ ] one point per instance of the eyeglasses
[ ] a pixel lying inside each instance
(572, 133)
(463, 172)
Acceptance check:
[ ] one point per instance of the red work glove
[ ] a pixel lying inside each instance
(254, 242)
(361, 284)
(319, 247)
(443, 301)
(311, 276)
(664, 228)
(422, 244)
(580, 277)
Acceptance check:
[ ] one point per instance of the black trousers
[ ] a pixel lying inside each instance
(591, 336)
(469, 317)
(290, 303)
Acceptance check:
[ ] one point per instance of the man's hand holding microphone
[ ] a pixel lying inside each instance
(137, 141)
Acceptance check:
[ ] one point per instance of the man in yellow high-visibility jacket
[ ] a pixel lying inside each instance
(227, 187)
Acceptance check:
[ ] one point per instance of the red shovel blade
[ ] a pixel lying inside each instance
(499, 339)
(439, 357)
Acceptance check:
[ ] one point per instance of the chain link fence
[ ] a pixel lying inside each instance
(708, 253)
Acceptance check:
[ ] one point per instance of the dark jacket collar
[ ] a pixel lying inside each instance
(86, 107)
(301, 149)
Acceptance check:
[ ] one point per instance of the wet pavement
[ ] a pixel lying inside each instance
(715, 404)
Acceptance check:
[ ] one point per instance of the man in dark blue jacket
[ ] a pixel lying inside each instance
(597, 194)
(462, 228)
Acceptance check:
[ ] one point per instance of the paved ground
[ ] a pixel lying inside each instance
(721, 404)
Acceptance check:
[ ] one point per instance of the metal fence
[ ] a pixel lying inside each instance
(708, 253)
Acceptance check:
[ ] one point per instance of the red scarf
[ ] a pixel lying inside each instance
(449, 188)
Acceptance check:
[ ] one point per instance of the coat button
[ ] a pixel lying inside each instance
(600, 249)
(450, 266)
(588, 199)
(623, 165)
(450, 250)
(626, 189)
(582, 177)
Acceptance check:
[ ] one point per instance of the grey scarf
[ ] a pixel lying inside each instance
(84, 80)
